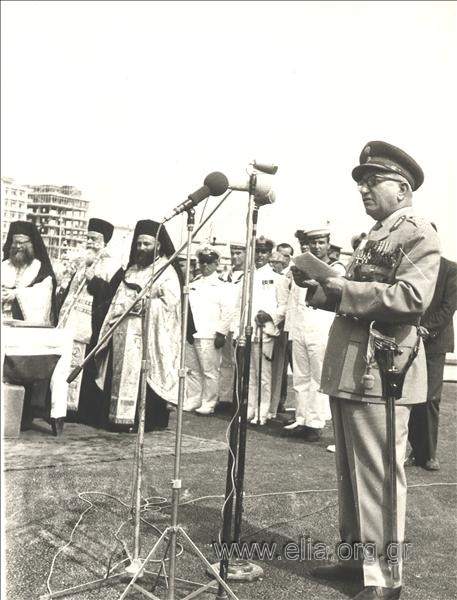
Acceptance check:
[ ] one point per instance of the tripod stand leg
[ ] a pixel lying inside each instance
(142, 565)
(208, 566)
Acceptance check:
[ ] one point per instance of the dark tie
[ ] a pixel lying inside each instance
(376, 226)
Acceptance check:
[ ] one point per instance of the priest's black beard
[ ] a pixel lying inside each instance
(144, 258)
(20, 257)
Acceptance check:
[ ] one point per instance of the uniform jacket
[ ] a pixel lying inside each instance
(270, 293)
(438, 316)
(209, 298)
(390, 280)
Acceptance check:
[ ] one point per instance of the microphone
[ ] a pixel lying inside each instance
(215, 184)
(268, 169)
(263, 192)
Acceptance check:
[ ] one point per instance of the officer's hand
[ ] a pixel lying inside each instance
(302, 279)
(333, 286)
(423, 332)
(219, 340)
(262, 317)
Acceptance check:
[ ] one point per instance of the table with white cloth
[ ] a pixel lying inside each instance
(37, 353)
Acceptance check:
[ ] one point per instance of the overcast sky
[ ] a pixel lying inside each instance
(135, 103)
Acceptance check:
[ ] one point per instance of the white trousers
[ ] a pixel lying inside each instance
(265, 398)
(227, 371)
(203, 362)
(312, 407)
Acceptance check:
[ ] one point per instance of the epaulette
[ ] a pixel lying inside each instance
(417, 221)
(398, 222)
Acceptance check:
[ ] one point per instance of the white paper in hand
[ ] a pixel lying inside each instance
(314, 267)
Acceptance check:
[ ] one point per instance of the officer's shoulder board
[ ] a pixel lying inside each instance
(417, 221)
(413, 221)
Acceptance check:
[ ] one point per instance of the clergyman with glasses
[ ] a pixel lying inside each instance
(390, 281)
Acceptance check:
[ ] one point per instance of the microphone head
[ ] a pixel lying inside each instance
(217, 183)
(263, 168)
(264, 193)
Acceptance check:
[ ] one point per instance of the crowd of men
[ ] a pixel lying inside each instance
(318, 328)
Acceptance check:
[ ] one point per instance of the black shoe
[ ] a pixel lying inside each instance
(432, 465)
(410, 461)
(57, 426)
(296, 432)
(374, 593)
(312, 434)
(338, 571)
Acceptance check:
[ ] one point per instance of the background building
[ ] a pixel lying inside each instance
(60, 213)
(14, 199)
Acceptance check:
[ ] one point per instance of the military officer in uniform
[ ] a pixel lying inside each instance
(309, 331)
(269, 301)
(235, 280)
(390, 281)
(211, 309)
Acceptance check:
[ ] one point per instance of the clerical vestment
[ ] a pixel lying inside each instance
(76, 316)
(34, 301)
(126, 344)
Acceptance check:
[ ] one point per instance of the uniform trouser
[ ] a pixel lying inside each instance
(265, 398)
(278, 366)
(424, 419)
(203, 361)
(312, 407)
(227, 370)
(362, 469)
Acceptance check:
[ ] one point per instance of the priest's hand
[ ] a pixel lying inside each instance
(8, 294)
(89, 273)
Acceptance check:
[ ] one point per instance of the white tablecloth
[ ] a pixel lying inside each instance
(41, 341)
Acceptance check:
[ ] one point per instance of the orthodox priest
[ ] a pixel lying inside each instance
(28, 281)
(85, 304)
(119, 363)
(28, 294)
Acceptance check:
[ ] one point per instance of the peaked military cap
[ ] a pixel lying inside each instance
(312, 233)
(263, 243)
(208, 251)
(237, 246)
(385, 157)
(300, 234)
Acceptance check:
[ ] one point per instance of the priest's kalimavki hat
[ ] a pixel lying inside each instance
(101, 226)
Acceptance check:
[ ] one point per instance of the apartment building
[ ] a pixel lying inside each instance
(60, 214)
(14, 198)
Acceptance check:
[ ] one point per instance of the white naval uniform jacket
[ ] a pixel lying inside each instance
(270, 293)
(209, 299)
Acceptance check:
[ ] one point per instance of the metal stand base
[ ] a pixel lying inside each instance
(240, 570)
(137, 569)
(208, 587)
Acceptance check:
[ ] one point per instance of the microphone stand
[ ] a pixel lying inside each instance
(171, 533)
(137, 565)
(242, 570)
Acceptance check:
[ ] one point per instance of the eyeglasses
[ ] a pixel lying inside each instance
(373, 181)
